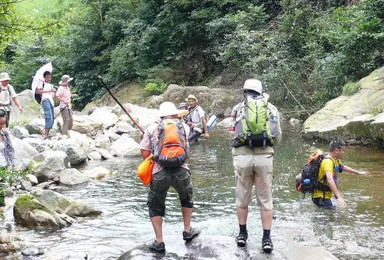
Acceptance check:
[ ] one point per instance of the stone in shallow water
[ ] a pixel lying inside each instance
(206, 247)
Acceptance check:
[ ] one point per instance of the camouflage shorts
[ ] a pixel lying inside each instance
(179, 179)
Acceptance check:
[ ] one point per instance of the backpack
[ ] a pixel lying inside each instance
(258, 123)
(38, 96)
(10, 99)
(170, 149)
(308, 180)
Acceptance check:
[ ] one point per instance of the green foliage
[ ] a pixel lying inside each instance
(8, 175)
(155, 87)
(376, 110)
(350, 88)
(304, 51)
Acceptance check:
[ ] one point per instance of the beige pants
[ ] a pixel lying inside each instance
(253, 170)
(67, 120)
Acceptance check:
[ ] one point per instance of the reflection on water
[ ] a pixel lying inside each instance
(355, 232)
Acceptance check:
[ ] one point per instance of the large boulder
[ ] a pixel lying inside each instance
(37, 125)
(75, 151)
(105, 116)
(48, 165)
(125, 147)
(24, 152)
(86, 125)
(357, 118)
(31, 109)
(49, 209)
(72, 177)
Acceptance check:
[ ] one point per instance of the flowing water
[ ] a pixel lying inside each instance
(355, 232)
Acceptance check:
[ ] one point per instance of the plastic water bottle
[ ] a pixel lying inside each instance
(307, 181)
(211, 122)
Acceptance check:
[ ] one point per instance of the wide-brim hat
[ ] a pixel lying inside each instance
(4, 76)
(65, 79)
(169, 109)
(191, 97)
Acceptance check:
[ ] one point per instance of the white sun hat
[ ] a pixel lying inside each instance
(4, 76)
(65, 79)
(253, 84)
(168, 109)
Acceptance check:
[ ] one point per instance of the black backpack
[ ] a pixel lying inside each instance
(38, 96)
(308, 180)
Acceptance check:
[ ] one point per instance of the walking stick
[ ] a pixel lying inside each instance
(118, 102)
(61, 110)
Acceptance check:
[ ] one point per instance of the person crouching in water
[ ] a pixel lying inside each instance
(163, 177)
(64, 95)
(196, 120)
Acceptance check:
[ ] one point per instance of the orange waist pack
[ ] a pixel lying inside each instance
(144, 171)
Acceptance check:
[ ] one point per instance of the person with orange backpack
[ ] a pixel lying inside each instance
(167, 141)
(330, 166)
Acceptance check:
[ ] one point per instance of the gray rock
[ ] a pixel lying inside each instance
(358, 117)
(94, 155)
(105, 154)
(19, 132)
(76, 153)
(104, 116)
(36, 143)
(48, 165)
(125, 147)
(32, 179)
(86, 125)
(24, 152)
(123, 128)
(72, 176)
(26, 185)
(97, 173)
(33, 251)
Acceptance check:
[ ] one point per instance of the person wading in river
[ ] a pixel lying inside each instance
(253, 158)
(164, 177)
(196, 120)
(328, 174)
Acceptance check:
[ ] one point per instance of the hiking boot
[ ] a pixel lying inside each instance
(267, 245)
(158, 247)
(241, 239)
(188, 236)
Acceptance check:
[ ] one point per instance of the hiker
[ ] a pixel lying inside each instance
(164, 177)
(328, 174)
(64, 95)
(47, 94)
(184, 106)
(196, 120)
(7, 94)
(7, 153)
(253, 158)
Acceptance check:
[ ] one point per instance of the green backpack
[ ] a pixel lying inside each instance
(257, 124)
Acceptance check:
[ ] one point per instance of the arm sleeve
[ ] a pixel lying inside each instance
(12, 91)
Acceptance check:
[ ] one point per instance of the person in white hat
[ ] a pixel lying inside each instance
(196, 119)
(64, 95)
(8, 94)
(165, 176)
(253, 158)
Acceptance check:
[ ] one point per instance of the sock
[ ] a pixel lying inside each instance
(266, 233)
(243, 228)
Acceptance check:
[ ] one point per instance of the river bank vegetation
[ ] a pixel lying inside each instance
(305, 51)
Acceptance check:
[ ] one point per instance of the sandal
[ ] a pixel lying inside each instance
(241, 239)
(267, 245)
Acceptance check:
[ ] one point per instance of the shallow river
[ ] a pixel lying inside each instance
(355, 232)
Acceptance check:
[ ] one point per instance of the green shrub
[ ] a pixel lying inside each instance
(350, 88)
(8, 175)
(375, 111)
(155, 88)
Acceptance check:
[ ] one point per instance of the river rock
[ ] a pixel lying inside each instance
(103, 141)
(97, 173)
(24, 152)
(123, 127)
(86, 125)
(32, 179)
(125, 147)
(29, 212)
(36, 143)
(94, 155)
(59, 203)
(36, 125)
(48, 165)
(105, 116)
(19, 132)
(105, 154)
(32, 251)
(225, 123)
(26, 185)
(31, 109)
(75, 151)
(72, 176)
(357, 117)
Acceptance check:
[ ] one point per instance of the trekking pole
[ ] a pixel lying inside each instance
(118, 102)
(61, 110)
